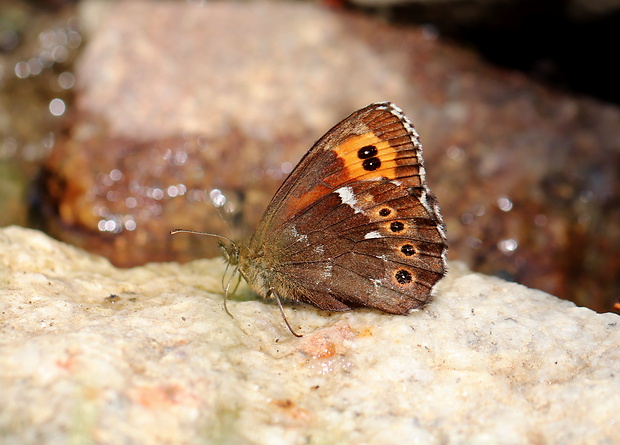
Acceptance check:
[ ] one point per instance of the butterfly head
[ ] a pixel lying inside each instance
(230, 249)
(236, 255)
(231, 252)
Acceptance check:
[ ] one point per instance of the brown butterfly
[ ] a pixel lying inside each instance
(353, 225)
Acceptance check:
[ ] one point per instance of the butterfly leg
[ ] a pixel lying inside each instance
(226, 287)
(277, 297)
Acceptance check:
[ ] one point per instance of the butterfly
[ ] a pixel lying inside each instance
(353, 225)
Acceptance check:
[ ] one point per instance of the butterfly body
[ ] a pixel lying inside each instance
(354, 224)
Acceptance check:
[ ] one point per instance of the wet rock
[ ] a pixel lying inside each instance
(182, 107)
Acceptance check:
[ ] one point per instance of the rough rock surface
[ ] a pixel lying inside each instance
(91, 353)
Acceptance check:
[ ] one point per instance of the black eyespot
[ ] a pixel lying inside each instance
(385, 212)
(371, 164)
(407, 249)
(367, 152)
(403, 276)
(397, 226)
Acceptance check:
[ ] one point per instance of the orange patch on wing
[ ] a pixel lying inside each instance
(353, 169)
(353, 165)
(306, 199)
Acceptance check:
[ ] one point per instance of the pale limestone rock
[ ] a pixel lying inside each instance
(486, 362)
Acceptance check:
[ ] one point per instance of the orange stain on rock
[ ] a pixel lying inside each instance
(327, 342)
(288, 408)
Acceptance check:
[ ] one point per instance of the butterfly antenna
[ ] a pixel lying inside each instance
(175, 231)
(288, 325)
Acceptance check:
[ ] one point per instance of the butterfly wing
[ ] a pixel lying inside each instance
(354, 224)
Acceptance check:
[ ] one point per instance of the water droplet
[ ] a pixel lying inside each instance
(504, 204)
(455, 153)
(508, 246)
(467, 218)
(22, 70)
(180, 158)
(66, 80)
(584, 219)
(112, 195)
(47, 38)
(430, 32)
(116, 175)
(217, 197)
(172, 191)
(57, 107)
(35, 66)
(195, 195)
(130, 224)
(286, 167)
(157, 194)
(8, 40)
(60, 54)
(74, 39)
(586, 196)
(8, 147)
(473, 243)
(131, 202)
(109, 225)
(540, 220)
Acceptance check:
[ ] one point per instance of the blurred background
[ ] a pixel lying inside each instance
(120, 121)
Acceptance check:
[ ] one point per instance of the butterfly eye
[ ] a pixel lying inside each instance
(397, 226)
(403, 276)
